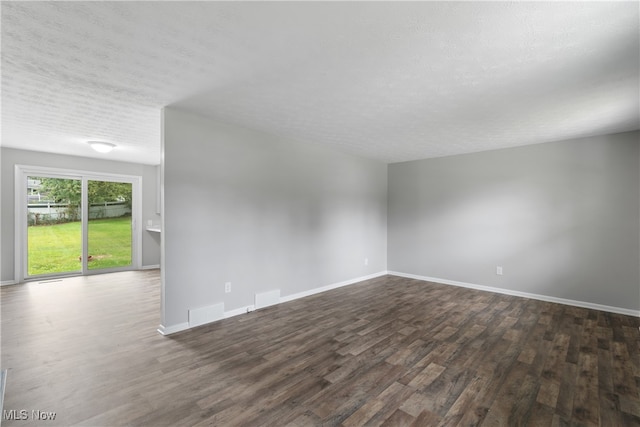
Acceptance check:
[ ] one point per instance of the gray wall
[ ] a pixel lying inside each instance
(9, 157)
(562, 218)
(264, 214)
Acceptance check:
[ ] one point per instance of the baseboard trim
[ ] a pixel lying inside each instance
(582, 304)
(168, 330)
(8, 283)
(332, 286)
(267, 299)
(239, 311)
(151, 267)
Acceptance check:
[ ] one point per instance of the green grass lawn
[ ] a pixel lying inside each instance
(57, 248)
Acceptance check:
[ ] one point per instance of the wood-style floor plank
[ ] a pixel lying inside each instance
(386, 352)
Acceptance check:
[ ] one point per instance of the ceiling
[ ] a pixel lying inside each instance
(384, 80)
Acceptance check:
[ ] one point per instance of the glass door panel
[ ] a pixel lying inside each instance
(109, 226)
(54, 225)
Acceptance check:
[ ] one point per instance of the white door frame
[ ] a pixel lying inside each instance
(20, 254)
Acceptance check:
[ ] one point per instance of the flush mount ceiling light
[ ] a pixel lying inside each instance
(101, 147)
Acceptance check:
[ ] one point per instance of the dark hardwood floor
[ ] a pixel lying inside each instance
(389, 351)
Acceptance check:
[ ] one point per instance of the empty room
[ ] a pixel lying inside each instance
(320, 213)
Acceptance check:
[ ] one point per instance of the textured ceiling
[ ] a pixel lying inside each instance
(390, 81)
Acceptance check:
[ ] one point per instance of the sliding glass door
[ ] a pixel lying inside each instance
(54, 225)
(109, 229)
(76, 223)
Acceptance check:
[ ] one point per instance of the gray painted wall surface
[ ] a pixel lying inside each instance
(9, 157)
(562, 218)
(247, 208)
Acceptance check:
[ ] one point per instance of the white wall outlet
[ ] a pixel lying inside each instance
(366, 261)
(149, 223)
(499, 270)
(227, 287)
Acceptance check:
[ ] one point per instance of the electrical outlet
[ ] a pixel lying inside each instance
(366, 261)
(227, 287)
(499, 270)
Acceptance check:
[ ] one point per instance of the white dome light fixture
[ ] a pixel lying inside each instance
(101, 147)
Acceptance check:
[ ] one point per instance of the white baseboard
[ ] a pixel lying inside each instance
(266, 299)
(168, 330)
(151, 267)
(333, 286)
(8, 282)
(546, 298)
(239, 311)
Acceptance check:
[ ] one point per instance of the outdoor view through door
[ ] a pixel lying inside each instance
(109, 226)
(54, 233)
(55, 225)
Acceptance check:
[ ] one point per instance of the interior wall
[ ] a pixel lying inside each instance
(264, 214)
(9, 157)
(561, 218)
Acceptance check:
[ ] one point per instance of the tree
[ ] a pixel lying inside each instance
(105, 191)
(61, 190)
(69, 191)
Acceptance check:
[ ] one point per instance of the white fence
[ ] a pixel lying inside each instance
(54, 212)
